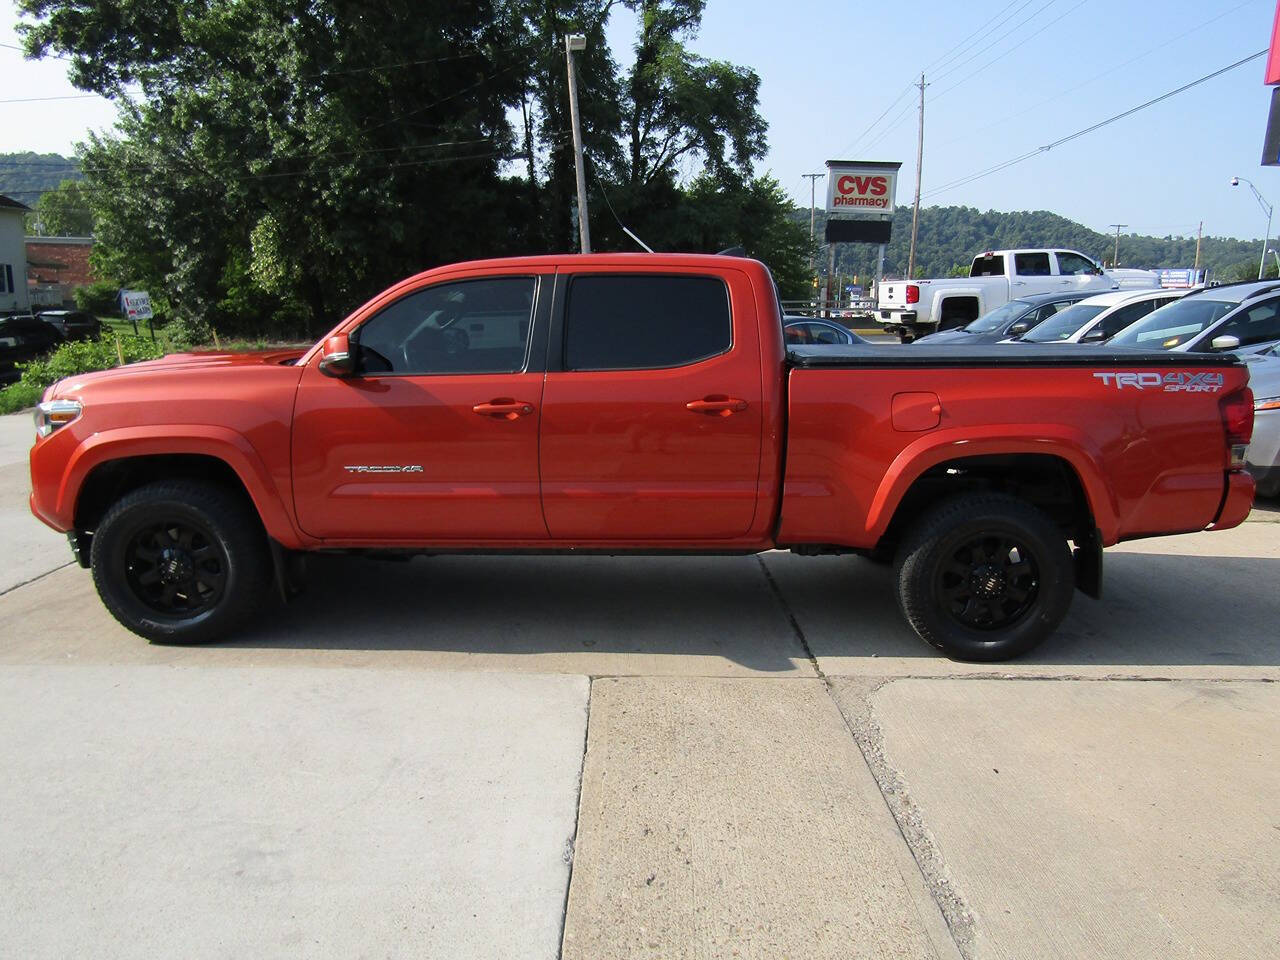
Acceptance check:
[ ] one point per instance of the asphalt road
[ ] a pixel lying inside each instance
(678, 757)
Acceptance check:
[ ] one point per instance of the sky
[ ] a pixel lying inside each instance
(1004, 78)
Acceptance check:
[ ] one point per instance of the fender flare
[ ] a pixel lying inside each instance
(1060, 441)
(208, 440)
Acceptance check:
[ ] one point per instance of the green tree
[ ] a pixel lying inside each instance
(63, 212)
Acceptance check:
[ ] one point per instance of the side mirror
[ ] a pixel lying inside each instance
(1096, 335)
(336, 359)
(1019, 328)
(1224, 343)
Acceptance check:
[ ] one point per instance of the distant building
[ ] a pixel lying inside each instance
(13, 257)
(56, 266)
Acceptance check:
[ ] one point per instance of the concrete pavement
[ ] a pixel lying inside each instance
(771, 763)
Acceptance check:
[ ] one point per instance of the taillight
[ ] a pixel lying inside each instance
(1237, 420)
(913, 293)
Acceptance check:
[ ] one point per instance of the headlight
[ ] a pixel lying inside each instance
(53, 414)
(1267, 403)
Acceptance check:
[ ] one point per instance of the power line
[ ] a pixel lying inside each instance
(69, 96)
(1016, 47)
(1096, 77)
(852, 143)
(965, 44)
(1012, 30)
(1090, 129)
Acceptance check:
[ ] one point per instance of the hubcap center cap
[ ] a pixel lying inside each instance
(987, 581)
(176, 566)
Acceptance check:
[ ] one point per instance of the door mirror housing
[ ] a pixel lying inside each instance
(1224, 343)
(335, 357)
(1096, 335)
(1019, 328)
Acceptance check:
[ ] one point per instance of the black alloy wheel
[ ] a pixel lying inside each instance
(989, 582)
(176, 567)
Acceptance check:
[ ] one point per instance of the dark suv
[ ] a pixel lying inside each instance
(23, 338)
(73, 324)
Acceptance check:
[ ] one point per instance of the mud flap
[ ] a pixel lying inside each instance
(1088, 561)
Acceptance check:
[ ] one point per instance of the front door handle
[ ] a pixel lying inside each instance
(717, 405)
(504, 408)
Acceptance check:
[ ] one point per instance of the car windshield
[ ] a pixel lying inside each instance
(998, 317)
(1063, 323)
(1174, 324)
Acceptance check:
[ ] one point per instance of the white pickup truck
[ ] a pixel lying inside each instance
(912, 308)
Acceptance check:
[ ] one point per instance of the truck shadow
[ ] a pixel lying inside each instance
(589, 606)
(1156, 610)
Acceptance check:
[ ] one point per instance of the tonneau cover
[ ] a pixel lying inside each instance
(999, 355)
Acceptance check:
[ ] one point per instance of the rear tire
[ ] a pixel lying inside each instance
(984, 577)
(181, 561)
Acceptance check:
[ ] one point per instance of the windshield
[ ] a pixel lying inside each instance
(1064, 323)
(1174, 324)
(998, 317)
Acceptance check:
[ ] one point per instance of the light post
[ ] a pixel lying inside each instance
(574, 42)
(1267, 209)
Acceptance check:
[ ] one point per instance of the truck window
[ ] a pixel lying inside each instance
(1072, 264)
(472, 326)
(992, 266)
(1031, 264)
(644, 322)
(1255, 325)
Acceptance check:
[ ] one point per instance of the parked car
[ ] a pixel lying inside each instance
(23, 338)
(1263, 453)
(649, 405)
(1236, 317)
(1099, 318)
(73, 324)
(913, 308)
(1015, 318)
(807, 330)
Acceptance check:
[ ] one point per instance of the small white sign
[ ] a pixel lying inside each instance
(137, 305)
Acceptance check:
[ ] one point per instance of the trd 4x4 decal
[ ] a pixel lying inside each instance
(1205, 382)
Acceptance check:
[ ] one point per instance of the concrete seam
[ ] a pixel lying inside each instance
(1074, 678)
(40, 576)
(906, 816)
(869, 739)
(791, 619)
(570, 847)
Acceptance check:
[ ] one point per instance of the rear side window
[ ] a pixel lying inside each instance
(645, 322)
(1031, 264)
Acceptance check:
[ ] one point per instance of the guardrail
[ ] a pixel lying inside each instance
(831, 309)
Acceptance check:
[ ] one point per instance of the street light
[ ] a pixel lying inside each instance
(575, 42)
(1267, 208)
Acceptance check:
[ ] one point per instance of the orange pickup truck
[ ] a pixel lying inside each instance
(634, 404)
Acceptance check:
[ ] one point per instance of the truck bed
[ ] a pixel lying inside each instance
(1000, 355)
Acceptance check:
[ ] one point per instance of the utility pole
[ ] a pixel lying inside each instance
(813, 183)
(915, 210)
(572, 42)
(1199, 234)
(1115, 257)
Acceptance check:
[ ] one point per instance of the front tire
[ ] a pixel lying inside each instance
(181, 562)
(984, 577)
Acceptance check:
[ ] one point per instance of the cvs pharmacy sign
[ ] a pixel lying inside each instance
(861, 188)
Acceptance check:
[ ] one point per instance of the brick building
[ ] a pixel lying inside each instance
(56, 266)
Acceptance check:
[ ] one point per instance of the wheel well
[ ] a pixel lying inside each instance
(108, 482)
(1043, 480)
(957, 310)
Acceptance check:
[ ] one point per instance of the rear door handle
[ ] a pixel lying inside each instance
(504, 408)
(717, 405)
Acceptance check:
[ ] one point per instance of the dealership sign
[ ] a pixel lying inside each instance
(861, 189)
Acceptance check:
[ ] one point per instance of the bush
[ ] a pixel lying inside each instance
(101, 298)
(69, 359)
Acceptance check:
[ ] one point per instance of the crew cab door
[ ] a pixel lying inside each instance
(435, 437)
(1078, 273)
(1032, 273)
(651, 423)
